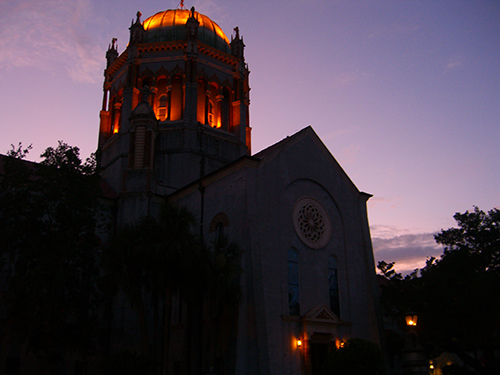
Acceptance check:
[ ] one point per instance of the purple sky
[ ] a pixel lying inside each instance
(404, 93)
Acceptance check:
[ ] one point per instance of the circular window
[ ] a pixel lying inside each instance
(311, 223)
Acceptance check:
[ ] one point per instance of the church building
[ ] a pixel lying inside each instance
(175, 126)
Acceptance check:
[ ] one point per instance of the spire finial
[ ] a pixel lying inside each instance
(181, 5)
(139, 14)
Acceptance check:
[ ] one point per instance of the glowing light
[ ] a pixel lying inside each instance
(182, 17)
(152, 23)
(411, 319)
(340, 343)
(299, 343)
(179, 17)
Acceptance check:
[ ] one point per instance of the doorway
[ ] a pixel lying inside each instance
(319, 353)
(319, 349)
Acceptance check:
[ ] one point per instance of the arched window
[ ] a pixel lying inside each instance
(162, 99)
(176, 99)
(293, 282)
(213, 106)
(116, 110)
(219, 230)
(225, 110)
(202, 98)
(211, 116)
(218, 226)
(162, 107)
(333, 281)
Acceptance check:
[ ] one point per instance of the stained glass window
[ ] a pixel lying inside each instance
(333, 281)
(293, 282)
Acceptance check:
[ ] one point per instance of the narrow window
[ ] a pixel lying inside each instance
(219, 229)
(211, 114)
(333, 280)
(202, 98)
(176, 99)
(162, 108)
(225, 110)
(293, 282)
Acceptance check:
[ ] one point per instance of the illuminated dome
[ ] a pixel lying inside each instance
(169, 26)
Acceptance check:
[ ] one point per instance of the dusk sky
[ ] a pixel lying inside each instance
(404, 93)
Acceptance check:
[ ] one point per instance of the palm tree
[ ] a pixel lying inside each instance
(172, 267)
(155, 258)
(126, 261)
(151, 258)
(214, 285)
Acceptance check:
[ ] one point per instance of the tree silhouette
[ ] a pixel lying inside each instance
(456, 296)
(155, 258)
(48, 243)
(358, 357)
(149, 261)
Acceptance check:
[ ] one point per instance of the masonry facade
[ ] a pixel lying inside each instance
(175, 126)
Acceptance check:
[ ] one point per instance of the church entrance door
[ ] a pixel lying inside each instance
(319, 346)
(319, 353)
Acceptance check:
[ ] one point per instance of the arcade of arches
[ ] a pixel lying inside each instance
(167, 100)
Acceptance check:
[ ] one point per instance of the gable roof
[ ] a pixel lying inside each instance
(265, 156)
(272, 151)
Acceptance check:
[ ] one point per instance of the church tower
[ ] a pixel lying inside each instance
(175, 104)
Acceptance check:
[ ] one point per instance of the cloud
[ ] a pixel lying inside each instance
(50, 34)
(409, 251)
(386, 231)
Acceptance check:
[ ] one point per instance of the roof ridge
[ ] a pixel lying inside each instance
(271, 150)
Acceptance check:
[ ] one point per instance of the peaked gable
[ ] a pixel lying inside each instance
(320, 319)
(321, 314)
(270, 153)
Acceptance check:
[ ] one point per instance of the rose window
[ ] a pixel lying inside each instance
(311, 223)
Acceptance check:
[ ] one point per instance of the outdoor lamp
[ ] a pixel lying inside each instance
(299, 343)
(411, 319)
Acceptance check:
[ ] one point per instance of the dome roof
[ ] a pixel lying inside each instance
(169, 25)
